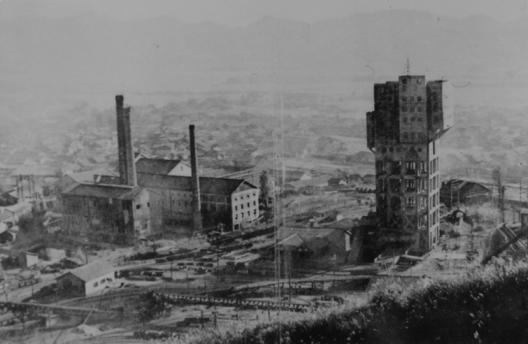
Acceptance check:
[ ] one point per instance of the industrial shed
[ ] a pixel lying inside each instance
(458, 191)
(87, 280)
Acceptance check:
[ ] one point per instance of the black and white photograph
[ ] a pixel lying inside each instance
(263, 171)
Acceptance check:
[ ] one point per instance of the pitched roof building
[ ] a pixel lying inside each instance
(457, 191)
(314, 246)
(232, 202)
(106, 213)
(88, 279)
(170, 167)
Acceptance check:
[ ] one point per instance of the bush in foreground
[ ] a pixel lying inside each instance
(491, 307)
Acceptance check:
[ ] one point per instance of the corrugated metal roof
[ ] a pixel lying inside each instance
(209, 185)
(123, 192)
(293, 240)
(156, 166)
(88, 176)
(92, 270)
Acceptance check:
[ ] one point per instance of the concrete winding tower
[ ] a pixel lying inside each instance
(409, 117)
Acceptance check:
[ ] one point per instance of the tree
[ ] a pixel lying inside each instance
(152, 306)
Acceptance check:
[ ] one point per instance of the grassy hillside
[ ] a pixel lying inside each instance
(490, 306)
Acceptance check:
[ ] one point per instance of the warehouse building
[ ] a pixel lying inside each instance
(87, 280)
(117, 213)
(231, 202)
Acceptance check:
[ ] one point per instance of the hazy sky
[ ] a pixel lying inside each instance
(239, 12)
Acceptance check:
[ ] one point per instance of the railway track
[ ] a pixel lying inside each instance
(38, 307)
(239, 303)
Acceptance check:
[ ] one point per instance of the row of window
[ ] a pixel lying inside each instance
(412, 119)
(404, 88)
(247, 196)
(405, 108)
(138, 206)
(435, 200)
(414, 136)
(178, 196)
(248, 205)
(411, 98)
(417, 80)
(422, 201)
(383, 149)
(435, 183)
(102, 281)
(434, 218)
(411, 185)
(395, 167)
(433, 165)
(248, 214)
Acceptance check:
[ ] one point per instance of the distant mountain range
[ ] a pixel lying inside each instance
(86, 53)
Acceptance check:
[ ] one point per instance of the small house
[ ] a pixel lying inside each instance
(87, 280)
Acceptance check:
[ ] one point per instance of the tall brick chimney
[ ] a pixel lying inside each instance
(127, 167)
(196, 204)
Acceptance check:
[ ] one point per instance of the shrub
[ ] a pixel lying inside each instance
(489, 307)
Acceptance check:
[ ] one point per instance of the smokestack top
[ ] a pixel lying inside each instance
(196, 204)
(127, 170)
(119, 100)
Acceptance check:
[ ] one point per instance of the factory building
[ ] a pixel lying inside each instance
(151, 196)
(231, 202)
(117, 213)
(403, 131)
(106, 213)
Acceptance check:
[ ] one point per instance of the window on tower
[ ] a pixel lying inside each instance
(410, 167)
(410, 185)
(423, 184)
(423, 167)
(396, 167)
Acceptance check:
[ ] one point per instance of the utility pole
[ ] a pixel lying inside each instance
(450, 194)
(501, 191)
